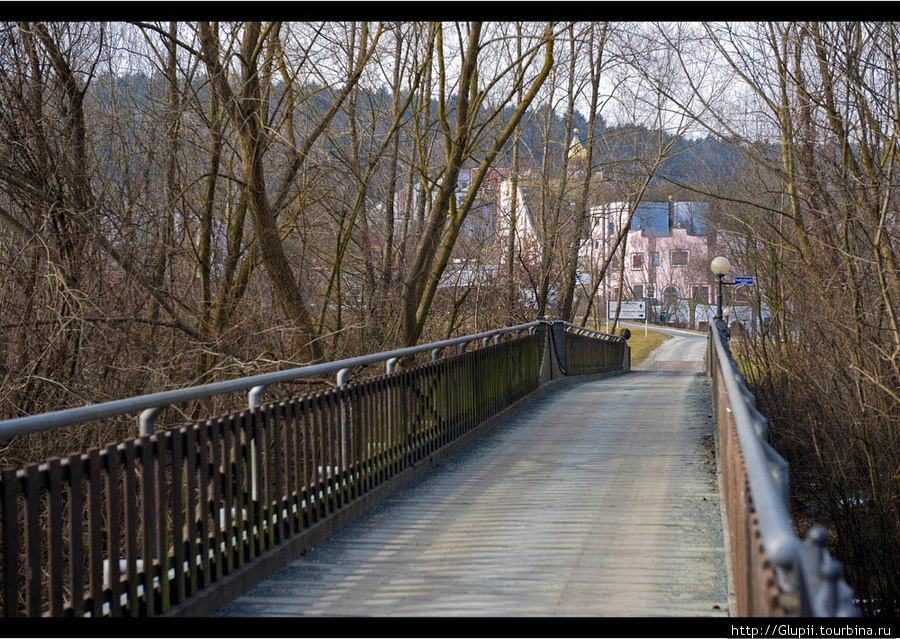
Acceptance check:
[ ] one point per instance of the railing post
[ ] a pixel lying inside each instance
(254, 400)
(146, 420)
(389, 367)
(547, 349)
(345, 417)
(254, 397)
(826, 593)
(558, 334)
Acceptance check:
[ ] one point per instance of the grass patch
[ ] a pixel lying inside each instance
(641, 346)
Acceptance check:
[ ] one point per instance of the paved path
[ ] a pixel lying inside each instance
(596, 499)
(663, 329)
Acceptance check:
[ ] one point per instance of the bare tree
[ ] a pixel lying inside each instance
(445, 217)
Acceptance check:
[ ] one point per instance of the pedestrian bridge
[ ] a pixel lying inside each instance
(524, 471)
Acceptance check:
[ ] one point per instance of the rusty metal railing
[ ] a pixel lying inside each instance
(142, 526)
(774, 573)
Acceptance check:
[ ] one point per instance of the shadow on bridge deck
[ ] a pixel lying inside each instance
(595, 499)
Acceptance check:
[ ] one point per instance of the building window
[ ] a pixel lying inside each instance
(670, 293)
(679, 257)
(637, 261)
(654, 258)
(700, 294)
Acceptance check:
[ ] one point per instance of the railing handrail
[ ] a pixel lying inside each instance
(583, 330)
(806, 568)
(779, 539)
(156, 401)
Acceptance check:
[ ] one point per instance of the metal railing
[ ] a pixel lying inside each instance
(583, 350)
(774, 572)
(151, 404)
(142, 526)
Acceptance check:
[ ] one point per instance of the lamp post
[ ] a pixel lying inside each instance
(720, 267)
(726, 313)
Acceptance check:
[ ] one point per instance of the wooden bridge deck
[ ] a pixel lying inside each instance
(599, 498)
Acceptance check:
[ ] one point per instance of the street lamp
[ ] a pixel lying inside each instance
(720, 267)
(725, 315)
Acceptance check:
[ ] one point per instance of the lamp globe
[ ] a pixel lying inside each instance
(720, 266)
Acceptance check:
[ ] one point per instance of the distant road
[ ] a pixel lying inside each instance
(665, 329)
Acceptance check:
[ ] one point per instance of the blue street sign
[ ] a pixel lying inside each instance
(744, 279)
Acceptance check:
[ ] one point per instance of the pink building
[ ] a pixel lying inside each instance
(667, 253)
(669, 246)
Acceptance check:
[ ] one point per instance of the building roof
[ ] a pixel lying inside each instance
(652, 218)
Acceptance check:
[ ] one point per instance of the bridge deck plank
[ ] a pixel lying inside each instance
(596, 499)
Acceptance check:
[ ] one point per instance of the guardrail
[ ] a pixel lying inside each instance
(146, 526)
(774, 572)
